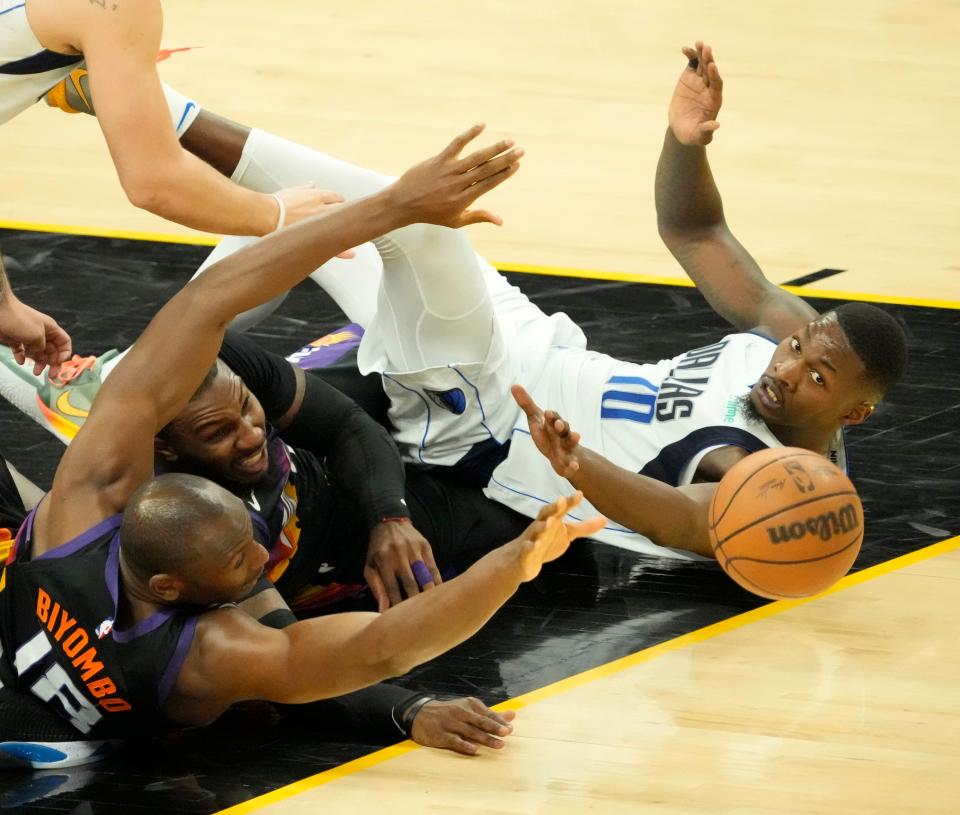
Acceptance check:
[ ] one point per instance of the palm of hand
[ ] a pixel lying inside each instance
(554, 448)
(548, 540)
(692, 105)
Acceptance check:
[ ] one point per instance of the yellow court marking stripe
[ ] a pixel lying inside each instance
(556, 271)
(608, 669)
(631, 277)
(96, 232)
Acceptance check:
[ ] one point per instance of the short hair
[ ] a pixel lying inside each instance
(878, 339)
(208, 380)
(159, 530)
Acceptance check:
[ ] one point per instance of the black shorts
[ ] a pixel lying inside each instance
(459, 521)
(12, 510)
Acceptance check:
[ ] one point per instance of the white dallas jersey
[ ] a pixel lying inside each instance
(658, 419)
(27, 69)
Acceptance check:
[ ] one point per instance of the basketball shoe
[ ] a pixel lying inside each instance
(72, 94)
(60, 404)
(34, 736)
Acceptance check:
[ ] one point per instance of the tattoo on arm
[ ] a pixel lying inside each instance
(103, 4)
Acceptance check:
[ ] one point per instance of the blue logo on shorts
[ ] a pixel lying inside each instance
(452, 400)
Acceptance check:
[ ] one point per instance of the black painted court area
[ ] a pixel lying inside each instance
(595, 605)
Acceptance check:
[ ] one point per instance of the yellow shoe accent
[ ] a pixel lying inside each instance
(64, 406)
(72, 94)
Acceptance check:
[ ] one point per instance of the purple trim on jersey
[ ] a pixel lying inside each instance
(112, 577)
(671, 460)
(25, 532)
(172, 671)
(261, 523)
(82, 540)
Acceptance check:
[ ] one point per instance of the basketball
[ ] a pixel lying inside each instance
(785, 523)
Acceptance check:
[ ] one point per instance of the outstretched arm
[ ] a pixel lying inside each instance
(113, 453)
(669, 516)
(119, 41)
(232, 658)
(690, 213)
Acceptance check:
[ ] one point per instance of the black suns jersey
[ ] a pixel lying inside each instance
(59, 641)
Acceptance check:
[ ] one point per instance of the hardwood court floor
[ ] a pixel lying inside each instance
(837, 150)
(595, 606)
(837, 147)
(841, 705)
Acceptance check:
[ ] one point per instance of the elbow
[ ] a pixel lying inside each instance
(147, 192)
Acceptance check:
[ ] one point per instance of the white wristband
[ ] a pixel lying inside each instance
(281, 220)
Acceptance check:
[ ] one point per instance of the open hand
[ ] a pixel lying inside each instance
(439, 190)
(393, 554)
(697, 98)
(461, 725)
(550, 536)
(551, 434)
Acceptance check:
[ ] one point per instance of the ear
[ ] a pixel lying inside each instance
(163, 449)
(858, 414)
(166, 587)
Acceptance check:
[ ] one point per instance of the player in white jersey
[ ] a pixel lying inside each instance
(41, 41)
(450, 337)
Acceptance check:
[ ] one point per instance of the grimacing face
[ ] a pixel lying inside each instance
(220, 434)
(814, 379)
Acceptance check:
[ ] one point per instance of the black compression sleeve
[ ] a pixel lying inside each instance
(377, 710)
(355, 447)
(268, 376)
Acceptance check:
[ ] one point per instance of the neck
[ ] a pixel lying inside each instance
(135, 603)
(816, 439)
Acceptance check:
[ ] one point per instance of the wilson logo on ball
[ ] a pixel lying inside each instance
(825, 525)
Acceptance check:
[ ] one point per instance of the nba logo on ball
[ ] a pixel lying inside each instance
(785, 523)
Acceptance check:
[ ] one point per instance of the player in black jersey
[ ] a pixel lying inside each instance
(328, 496)
(123, 620)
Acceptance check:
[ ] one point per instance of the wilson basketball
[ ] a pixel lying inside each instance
(785, 523)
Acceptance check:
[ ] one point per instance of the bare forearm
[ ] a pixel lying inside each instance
(192, 193)
(686, 196)
(661, 512)
(408, 634)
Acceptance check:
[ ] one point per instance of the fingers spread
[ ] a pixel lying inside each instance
(484, 155)
(497, 164)
(456, 146)
(480, 216)
(584, 529)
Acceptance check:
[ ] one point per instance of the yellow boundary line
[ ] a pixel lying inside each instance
(630, 277)
(603, 671)
(123, 234)
(555, 271)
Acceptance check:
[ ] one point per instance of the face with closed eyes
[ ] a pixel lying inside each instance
(815, 381)
(221, 434)
(229, 565)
